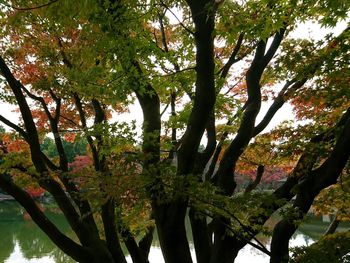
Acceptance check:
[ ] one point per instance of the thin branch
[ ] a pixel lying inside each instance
(178, 71)
(70, 120)
(162, 30)
(63, 54)
(245, 228)
(79, 106)
(49, 163)
(333, 225)
(41, 100)
(31, 95)
(163, 111)
(30, 8)
(260, 246)
(289, 88)
(58, 105)
(249, 161)
(54, 129)
(274, 46)
(29, 124)
(14, 126)
(224, 70)
(255, 183)
(234, 85)
(181, 24)
(208, 175)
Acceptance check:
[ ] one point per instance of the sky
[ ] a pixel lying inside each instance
(307, 29)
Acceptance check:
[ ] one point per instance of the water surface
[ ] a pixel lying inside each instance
(21, 241)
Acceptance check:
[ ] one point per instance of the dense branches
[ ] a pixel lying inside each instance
(73, 78)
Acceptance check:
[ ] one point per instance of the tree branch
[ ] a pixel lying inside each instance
(30, 8)
(279, 101)
(79, 106)
(14, 126)
(318, 179)
(181, 24)
(67, 245)
(33, 138)
(205, 94)
(254, 184)
(225, 69)
(274, 46)
(44, 178)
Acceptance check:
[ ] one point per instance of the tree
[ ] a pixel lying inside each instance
(70, 66)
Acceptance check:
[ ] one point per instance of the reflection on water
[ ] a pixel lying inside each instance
(21, 241)
(250, 254)
(17, 256)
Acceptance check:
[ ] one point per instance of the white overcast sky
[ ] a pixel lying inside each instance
(304, 30)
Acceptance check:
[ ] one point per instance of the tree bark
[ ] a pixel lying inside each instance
(332, 226)
(172, 232)
(201, 236)
(320, 178)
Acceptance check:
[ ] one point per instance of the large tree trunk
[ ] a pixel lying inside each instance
(172, 232)
(223, 248)
(201, 236)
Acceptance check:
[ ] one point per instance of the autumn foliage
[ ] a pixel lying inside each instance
(201, 83)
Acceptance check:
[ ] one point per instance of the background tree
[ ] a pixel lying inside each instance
(70, 67)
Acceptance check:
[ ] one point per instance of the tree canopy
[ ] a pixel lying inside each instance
(200, 71)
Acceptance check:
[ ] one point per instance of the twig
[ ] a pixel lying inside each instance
(30, 8)
(262, 248)
(178, 71)
(163, 111)
(234, 85)
(181, 24)
(70, 120)
(14, 126)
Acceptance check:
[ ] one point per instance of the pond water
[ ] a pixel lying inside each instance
(21, 241)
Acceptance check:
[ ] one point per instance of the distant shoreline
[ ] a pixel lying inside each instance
(4, 197)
